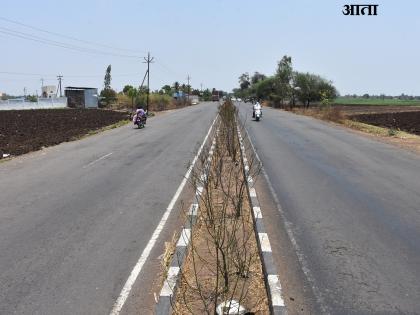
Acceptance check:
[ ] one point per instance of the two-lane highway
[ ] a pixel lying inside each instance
(75, 218)
(352, 205)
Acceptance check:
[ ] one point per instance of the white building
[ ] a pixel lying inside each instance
(49, 91)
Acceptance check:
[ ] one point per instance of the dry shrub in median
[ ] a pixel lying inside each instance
(223, 261)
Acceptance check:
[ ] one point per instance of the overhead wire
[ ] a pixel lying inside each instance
(35, 38)
(67, 36)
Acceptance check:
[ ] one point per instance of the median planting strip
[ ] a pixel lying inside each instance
(222, 261)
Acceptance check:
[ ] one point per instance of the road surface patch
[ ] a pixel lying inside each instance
(166, 296)
(118, 305)
(277, 305)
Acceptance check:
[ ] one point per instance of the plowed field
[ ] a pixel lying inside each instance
(22, 131)
(405, 121)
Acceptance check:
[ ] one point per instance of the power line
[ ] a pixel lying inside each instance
(68, 76)
(66, 36)
(46, 41)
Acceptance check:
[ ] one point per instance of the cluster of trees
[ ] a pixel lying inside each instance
(137, 96)
(384, 96)
(286, 86)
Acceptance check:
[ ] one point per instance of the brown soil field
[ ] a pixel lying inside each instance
(406, 121)
(365, 109)
(22, 131)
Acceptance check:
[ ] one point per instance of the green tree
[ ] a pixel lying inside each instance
(256, 77)
(176, 86)
(244, 81)
(284, 77)
(132, 93)
(107, 79)
(108, 94)
(167, 89)
(127, 88)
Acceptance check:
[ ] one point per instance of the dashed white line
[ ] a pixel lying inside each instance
(265, 242)
(257, 212)
(169, 284)
(184, 239)
(275, 289)
(252, 192)
(98, 159)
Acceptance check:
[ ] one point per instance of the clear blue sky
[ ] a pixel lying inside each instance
(213, 41)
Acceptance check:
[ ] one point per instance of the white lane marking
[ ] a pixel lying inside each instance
(184, 237)
(119, 303)
(252, 192)
(275, 290)
(265, 242)
(199, 191)
(257, 212)
(97, 160)
(193, 209)
(169, 284)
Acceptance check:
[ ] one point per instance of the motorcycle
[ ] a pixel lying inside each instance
(257, 114)
(141, 121)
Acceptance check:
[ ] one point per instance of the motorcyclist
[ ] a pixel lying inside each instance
(140, 113)
(256, 106)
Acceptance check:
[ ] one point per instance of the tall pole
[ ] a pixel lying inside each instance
(148, 60)
(59, 77)
(188, 86)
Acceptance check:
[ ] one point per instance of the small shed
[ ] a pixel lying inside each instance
(81, 97)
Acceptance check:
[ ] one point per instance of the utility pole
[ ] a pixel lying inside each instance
(24, 92)
(188, 86)
(42, 82)
(148, 60)
(59, 77)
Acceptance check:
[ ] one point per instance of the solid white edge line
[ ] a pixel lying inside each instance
(119, 303)
(275, 290)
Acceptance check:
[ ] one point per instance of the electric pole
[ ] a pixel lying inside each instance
(59, 77)
(188, 86)
(148, 60)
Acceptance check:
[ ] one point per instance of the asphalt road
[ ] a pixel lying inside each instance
(352, 205)
(75, 218)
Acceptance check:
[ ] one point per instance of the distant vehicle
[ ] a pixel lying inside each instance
(194, 100)
(216, 95)
(239, 100)
(233, 99)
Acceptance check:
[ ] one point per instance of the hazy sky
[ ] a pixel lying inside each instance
(213, 41)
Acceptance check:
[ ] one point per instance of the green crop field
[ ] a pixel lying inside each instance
(375, 101)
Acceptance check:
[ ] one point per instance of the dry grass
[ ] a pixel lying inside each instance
(223, 261)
